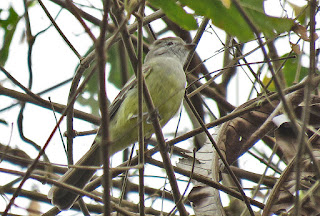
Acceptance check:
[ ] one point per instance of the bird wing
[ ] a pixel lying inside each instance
(132, 83)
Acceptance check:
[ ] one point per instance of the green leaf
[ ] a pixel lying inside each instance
(116, 67)
(227, 19)
(9, 26)
(230, 20)
(301, 12)
(289, 70)
(176, 13)
(269, 25)
(89, 97)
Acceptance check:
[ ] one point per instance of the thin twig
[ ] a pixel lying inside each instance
(103, 101)
(41, 152)
(221, 156)
(75, 12)
(207, 181)
(189, 181)
(306, 108)
(63, 185)
(82, 13)
(140, 108)
(46, 104)
(59, 30)
(287, 107)
(40, 93)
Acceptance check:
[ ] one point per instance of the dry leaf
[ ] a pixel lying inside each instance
(287, 141)
(316, 36)
(309, 190)
(302, 32)
(296, 48)
(226, 3)
(205, 200)
(34, 207)
(235, 136)
(238, 135)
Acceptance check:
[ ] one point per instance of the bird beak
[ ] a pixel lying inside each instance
(190, 46)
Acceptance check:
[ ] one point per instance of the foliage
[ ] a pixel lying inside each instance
(176, 14)
(9, 26)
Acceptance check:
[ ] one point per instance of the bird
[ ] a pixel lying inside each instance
(166, 81)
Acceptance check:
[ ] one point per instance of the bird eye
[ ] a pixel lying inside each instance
(169, 43)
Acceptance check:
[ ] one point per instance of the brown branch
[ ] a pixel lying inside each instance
(140, 79)
(254, 177)
(41, 152)
(207, 181)
(306, 110)
(221, 156)
(46, 104)
(59, 30)
(82, 13)
(63, 185)
(103, 104)
(76, 12)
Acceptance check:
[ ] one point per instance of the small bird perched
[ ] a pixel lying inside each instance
(166, 82)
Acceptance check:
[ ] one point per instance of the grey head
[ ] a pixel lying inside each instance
(173, 47)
